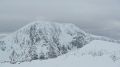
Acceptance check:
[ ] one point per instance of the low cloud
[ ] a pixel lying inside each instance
(100, 17)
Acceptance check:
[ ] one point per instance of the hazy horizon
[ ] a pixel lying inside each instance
(100, 17)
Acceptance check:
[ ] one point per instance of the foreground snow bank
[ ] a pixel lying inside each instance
(95, 54)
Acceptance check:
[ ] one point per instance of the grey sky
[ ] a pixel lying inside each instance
(101, 17)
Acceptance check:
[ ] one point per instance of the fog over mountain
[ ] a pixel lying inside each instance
(101, 17)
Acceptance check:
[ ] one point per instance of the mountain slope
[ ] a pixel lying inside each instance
(41, 40)
(95, 54)
(101, 48)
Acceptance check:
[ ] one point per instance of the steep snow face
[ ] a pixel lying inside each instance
(95, 54)
(41, 40)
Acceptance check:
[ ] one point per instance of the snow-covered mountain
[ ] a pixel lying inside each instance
(41, 40)
(44, 40)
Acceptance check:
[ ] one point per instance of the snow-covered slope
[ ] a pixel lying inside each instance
(101, 48)
(62, 43)
(41, 40)
(95, 54)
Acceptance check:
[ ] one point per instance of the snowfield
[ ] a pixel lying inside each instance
(95, 54)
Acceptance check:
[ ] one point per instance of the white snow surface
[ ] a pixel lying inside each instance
(95, 54)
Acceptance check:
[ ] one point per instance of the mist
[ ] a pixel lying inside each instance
(100, 17)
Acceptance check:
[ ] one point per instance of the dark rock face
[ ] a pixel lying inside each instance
(43, 41)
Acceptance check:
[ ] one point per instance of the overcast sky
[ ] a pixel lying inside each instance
(101, 17)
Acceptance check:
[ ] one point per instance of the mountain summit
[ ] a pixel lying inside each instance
(42, 40)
